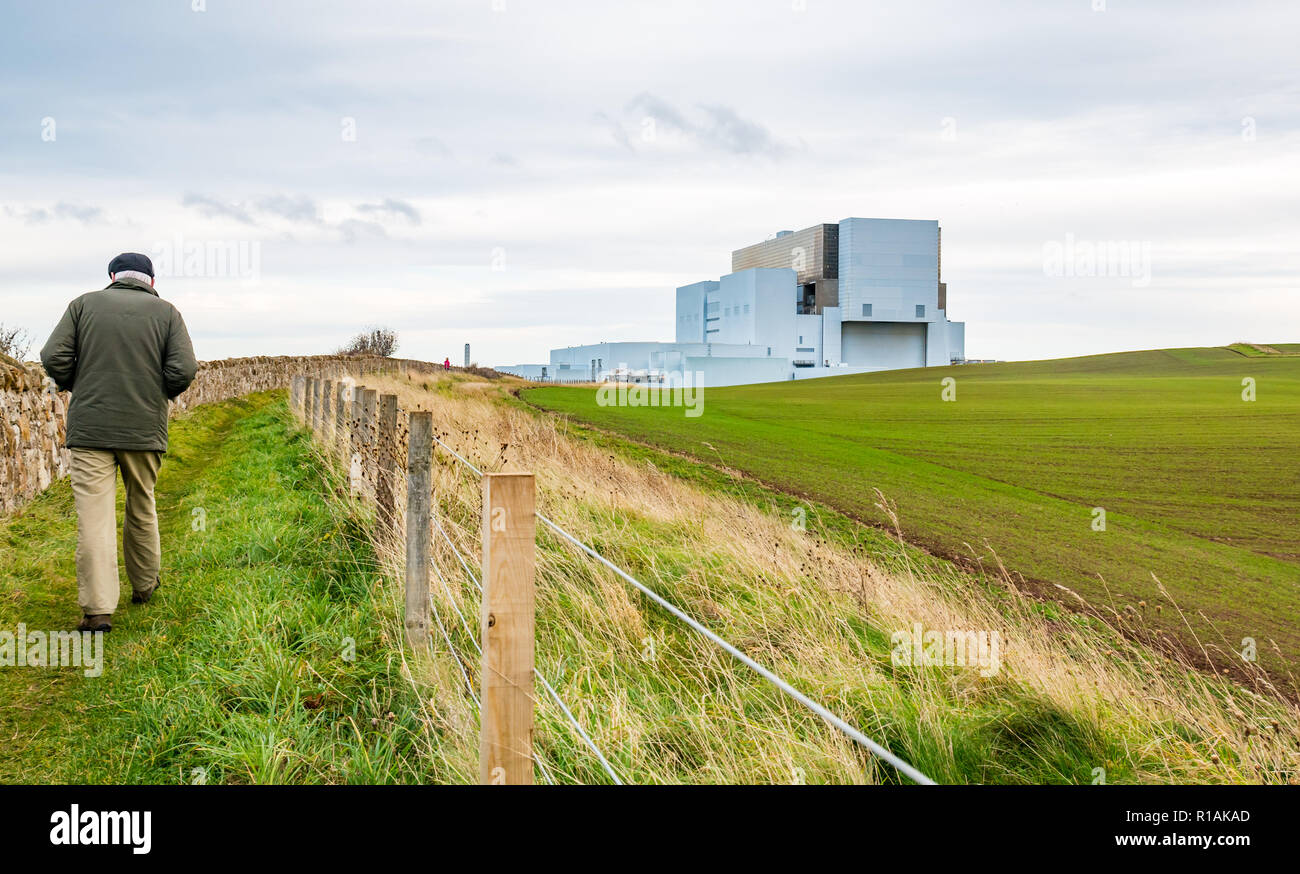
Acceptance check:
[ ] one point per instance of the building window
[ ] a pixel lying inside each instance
(920, 310)
(746, 309)
(769, 351)
(866, 309)
(801, 338)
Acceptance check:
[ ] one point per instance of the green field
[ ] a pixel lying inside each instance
(1200, 487)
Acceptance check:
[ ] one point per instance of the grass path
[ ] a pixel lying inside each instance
(262, 659)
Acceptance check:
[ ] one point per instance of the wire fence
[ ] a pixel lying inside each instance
(309, 398)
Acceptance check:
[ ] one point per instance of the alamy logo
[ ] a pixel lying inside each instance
(957, 649)
(76, 827)
(53, 649)
(208, 259)
(1087, 258)
(672, 389)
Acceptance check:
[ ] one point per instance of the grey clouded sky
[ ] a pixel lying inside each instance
(525, 175)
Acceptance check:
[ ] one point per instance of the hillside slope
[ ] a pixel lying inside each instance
(1200, 488)
(274, 652)
(813, 595)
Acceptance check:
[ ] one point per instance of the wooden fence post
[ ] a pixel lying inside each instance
(385, 487)
(295, 395)
(509, 563)
(419, 498)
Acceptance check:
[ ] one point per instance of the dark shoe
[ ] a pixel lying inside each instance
(96, 622)
(143, 597)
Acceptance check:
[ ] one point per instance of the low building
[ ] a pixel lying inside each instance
(857, 296)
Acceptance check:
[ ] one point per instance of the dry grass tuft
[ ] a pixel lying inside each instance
(1072, 695)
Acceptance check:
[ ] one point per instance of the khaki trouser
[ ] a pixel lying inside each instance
(94, 486)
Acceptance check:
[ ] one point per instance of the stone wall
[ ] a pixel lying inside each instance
(33, 415)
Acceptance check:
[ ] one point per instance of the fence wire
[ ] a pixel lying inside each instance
(877, 749)
(564, 708)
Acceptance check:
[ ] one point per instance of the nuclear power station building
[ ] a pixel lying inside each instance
(860, 295)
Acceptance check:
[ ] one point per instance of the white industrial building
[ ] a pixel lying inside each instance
(857, 296)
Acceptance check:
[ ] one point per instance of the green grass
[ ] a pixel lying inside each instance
(241, 670)
(818, 607)
(1256, 350)
(1200, 488)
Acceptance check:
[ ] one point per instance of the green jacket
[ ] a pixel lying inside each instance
(123, 352)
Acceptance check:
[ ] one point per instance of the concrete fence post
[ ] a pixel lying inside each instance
(369, 426)
(295, 395)
(340, 420)
(419, 499)
(355, 470)
(326, 396)
(506, 627)
(386, 486)
(317, 391)
(307, 409)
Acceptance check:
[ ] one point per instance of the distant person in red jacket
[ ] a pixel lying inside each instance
(446, 364)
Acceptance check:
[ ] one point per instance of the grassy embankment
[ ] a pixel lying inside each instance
(239, 668)
(1200, 488)
(819, 606)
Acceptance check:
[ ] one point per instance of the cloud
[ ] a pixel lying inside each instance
(299, 208)
(432, 146)
(212, 208)
(728, 131)
(1108, 126)
(661, 111)
(83, 214)
(616, 130)
(357, 231)
(719, 128)
(391, 207)
(61, 211)
(303, 210)
(296, 209)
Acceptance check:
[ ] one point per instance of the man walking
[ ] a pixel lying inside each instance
(123, 352)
